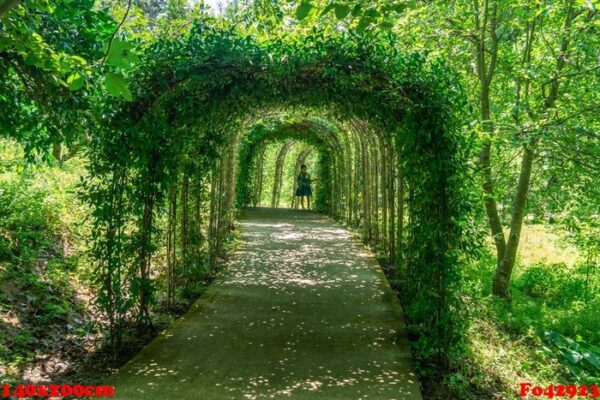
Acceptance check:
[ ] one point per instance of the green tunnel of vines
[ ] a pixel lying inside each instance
(284, 133)
(172, 168)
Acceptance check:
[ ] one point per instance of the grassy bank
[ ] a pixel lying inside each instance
(551, 320)
(50, 326)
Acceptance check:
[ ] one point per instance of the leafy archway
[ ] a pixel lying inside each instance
(395, 115)
(312, 133)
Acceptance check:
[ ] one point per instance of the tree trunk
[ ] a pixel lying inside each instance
(485, 74)
(57, 152)
(356, 174)
(6, 6)
(384, 195)
(491, 207)
(212, 219)
(185, 185)
(506, 265)
(348, 175)
(400, 224)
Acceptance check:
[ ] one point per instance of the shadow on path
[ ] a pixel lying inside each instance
(301, 312)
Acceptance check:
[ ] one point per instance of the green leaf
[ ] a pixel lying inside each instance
(5, 42)
(121, 55)
(327, 9)
(412, 4)
(75, 81)
(399, 8)
(364, 23)
(341, 11)
(303, 10)
(116, 86)
(592, 358)
(573, 356)
(31, 59)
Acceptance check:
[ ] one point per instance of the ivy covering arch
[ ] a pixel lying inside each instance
(172, 155)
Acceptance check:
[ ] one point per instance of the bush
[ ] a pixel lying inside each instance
(558, 284)
(538, 281)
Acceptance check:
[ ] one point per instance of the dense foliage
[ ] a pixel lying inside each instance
(192, 97)
(429, 122)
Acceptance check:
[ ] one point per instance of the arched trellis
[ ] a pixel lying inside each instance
(361, 184)
(194, 96)
(282, 153)
(309, 132)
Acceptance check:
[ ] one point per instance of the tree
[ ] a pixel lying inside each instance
(529, 69)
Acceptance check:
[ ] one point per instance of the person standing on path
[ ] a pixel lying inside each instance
(304, 190)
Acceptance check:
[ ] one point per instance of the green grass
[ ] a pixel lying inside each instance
(553, 290)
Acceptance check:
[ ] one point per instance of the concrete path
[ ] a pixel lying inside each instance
(301, 312)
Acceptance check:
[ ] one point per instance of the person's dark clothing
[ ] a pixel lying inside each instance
(304, 188)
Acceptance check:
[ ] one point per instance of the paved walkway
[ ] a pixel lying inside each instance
(301, 312)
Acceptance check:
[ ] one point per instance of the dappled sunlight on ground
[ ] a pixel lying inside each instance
(301, 312)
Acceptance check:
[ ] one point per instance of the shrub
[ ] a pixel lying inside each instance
(558, 284)
(538, 281)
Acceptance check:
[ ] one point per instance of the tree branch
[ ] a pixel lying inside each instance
(114, 34)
